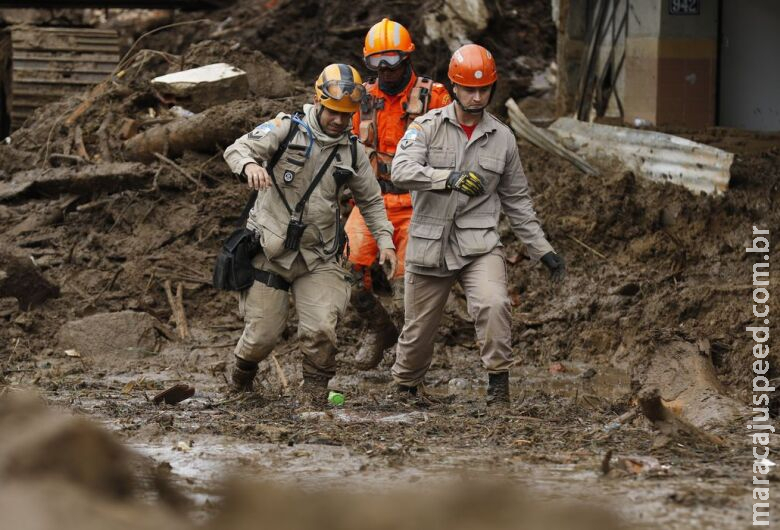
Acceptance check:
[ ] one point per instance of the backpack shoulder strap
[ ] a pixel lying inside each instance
(270, 167)
(284, 144)
(419, 98)
(317, 178)
(353, 141)
(277, 156)
(367, 128)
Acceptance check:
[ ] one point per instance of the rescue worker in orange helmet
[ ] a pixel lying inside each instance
(395, 98)
(464, 168)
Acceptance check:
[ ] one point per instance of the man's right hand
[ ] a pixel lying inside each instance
(466, 182)
(257, 177)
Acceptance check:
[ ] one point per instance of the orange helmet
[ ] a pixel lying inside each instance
(472, 66)
(339, 88)
(388, 42)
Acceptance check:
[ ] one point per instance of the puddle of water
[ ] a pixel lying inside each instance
(607, 382)
(199, 462)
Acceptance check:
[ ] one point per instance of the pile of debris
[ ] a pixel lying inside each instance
(118, 198)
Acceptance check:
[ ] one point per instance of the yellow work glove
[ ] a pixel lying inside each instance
(466, 182)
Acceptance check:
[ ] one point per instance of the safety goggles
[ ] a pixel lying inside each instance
(337, 90)
(391, 60)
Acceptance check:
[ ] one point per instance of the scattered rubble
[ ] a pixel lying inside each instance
(21, 279)
(643, 257)
(106, 337)
(203, 87)
(85, 180)
(175, 394)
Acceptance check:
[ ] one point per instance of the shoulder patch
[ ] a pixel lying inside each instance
(264, 128)
(268, 126)
(410, 136)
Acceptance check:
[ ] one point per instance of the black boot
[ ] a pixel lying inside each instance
(315, 390)
(498, 389)
(243, 376)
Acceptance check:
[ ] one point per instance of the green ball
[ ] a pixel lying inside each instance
(336, 398)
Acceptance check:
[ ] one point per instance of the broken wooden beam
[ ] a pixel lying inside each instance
(219, 125)
(112, 177)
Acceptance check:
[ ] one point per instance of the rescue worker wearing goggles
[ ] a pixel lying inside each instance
(394, 99)
(463, 167)
(296, 219)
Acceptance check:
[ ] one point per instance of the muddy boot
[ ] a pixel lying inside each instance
(403, 393)
(243, 376)
(382, 332)
(314, 391)
(498, 389)
(409, 396)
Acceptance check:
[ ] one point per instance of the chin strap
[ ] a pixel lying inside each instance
(475, 111)
(470, 111)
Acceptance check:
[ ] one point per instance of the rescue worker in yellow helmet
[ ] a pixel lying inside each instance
(299, 163)
(464, 168)
(395, 98)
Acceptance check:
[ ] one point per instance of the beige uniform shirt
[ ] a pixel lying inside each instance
(449, 229)
(293, 173)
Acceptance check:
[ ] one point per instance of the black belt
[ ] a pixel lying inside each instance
(272, 280)
(388, 187)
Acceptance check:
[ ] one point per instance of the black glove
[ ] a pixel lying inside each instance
(466, 182)
(556, 265)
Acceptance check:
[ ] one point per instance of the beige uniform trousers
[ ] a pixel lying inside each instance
(321, 297)
(484, 282)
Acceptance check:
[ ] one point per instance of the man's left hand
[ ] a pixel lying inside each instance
(556, 265)
(388, 261)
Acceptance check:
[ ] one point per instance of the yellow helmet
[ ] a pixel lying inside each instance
(339, 88)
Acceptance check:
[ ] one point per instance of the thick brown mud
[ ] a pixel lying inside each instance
(646, 262)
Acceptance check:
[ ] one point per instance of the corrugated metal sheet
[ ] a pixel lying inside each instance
(653, 155)
(51, 63)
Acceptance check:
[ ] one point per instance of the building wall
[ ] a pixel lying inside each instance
(750, 66)
(688, 67)
(572, 26)
(669, 74)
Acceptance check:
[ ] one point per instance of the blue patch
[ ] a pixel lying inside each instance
(409, 137)
(262, 129)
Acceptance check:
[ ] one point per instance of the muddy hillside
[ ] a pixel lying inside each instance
(631, 385)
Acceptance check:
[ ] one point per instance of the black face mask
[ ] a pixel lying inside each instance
(396, 88)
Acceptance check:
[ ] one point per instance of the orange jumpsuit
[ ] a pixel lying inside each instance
(391, 122)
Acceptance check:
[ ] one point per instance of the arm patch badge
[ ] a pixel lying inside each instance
(409, 136)
(264, 128)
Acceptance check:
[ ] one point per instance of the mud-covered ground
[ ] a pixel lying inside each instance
(644, 260)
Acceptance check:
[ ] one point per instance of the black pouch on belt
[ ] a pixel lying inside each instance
(233, 270)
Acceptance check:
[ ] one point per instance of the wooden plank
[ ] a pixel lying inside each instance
(63, 70)
(72, 81)
(61, 49)
(92, 57)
